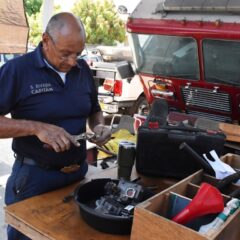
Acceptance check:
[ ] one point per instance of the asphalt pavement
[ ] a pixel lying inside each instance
(6, 162)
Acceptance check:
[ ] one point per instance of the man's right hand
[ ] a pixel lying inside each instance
(55, 137)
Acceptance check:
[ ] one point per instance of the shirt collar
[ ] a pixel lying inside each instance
(38, 55)
(61, 74)
(39, 58)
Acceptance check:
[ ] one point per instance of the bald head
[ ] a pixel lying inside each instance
(63, 41)
(65, 25)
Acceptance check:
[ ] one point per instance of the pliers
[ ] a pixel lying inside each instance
(84, 136)
(79, 137)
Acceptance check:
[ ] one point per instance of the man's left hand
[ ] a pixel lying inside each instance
(102, 134)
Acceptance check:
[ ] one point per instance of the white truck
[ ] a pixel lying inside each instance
(119, 87)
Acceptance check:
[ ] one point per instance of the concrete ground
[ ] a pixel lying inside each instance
(6, 161)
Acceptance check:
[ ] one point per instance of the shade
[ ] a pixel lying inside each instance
(13, 27)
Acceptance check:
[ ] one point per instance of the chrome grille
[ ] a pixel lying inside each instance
(214, 117)
(207, 99)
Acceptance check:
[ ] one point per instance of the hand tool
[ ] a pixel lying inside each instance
(79, 137)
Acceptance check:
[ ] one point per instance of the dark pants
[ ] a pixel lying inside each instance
(27, 181)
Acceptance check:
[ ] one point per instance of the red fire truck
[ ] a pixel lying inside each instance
(188, 52)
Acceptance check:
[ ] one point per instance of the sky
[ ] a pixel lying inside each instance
(66, 5)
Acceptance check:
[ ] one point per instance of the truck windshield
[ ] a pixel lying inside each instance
(222, 61)
(168, 56)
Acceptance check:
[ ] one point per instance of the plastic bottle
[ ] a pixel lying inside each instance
(212, 227)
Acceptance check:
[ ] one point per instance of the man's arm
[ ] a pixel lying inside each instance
(96, 119)
(55, 136)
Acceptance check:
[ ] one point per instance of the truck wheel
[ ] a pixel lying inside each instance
(141, 106)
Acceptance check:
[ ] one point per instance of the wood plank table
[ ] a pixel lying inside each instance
(47, 217)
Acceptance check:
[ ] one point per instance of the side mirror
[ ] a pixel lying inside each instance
(125, 69)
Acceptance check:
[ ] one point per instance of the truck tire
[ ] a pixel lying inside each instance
(141, 106)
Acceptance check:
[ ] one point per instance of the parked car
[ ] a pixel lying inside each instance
(91, 55)
(4, 57)
(119, 88)
(125, 6)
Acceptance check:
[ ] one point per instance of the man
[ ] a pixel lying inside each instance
(50, 94)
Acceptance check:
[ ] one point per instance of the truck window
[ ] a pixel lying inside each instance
(168, 56)
(222, 61)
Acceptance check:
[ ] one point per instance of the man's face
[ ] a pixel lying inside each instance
(62, 52)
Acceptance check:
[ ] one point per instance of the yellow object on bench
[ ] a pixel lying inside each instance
(113, 144)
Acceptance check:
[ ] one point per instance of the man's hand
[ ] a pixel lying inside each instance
(102, 134)
(55, 137)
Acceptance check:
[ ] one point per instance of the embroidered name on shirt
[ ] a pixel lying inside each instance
(41, 88)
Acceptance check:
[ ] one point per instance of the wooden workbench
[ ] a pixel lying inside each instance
(46, 216)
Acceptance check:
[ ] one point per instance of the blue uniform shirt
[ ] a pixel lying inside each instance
(30, 90)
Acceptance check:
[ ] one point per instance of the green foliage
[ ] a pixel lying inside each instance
(35, 25)
(32, 6)
(101, 21)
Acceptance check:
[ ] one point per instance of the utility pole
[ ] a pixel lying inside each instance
(47, 11)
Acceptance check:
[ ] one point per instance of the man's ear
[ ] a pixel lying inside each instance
(45, 41)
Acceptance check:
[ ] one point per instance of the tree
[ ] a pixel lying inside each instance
(35, 28)
(32, 6)
(101, 21)
(35, 25)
